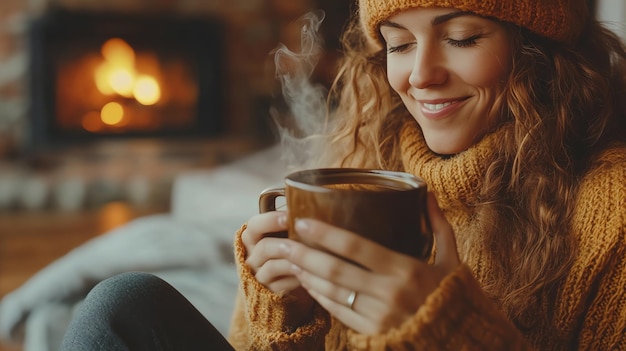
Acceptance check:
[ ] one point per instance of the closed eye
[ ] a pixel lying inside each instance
(465, 42)
(399, 48)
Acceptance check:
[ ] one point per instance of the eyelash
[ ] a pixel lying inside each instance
(399, 48)
(464, 43)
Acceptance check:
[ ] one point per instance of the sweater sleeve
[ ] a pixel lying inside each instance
(261, 317)
(456, 316)
(597, 286)
(604, 326)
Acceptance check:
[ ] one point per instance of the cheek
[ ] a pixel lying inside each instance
(484, 71)
(397, 76)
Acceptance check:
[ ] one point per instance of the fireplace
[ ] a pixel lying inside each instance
(98, 76)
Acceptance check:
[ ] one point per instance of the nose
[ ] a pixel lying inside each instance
(428, 68)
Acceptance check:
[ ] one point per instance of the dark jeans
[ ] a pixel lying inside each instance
(139, 311)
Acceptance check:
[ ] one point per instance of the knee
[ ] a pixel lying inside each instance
(124, 284)
(110, 307)
(122, 291)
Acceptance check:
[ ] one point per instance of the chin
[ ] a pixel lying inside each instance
(445, 147)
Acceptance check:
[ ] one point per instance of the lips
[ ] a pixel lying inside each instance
(436, 107)
(440, 108)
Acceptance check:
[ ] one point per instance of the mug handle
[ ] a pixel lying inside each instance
(267, 199)
(267, 203)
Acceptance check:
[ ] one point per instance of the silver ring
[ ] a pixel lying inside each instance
(351, 298)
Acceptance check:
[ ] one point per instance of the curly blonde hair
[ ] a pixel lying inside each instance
(565, 103)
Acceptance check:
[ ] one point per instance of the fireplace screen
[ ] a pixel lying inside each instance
(112, 75)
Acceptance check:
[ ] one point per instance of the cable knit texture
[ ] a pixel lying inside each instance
(590, 312)
(560, 20)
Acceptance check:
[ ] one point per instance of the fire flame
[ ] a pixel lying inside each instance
(112, 113)
(147, 90)
(118, 75)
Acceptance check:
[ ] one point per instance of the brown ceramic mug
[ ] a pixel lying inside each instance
(384, 206)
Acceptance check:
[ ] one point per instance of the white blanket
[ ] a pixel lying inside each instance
(191, 248)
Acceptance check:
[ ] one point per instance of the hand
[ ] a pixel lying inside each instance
(389, 286)
(266, 259)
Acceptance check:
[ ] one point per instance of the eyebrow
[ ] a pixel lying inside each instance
(435, 21)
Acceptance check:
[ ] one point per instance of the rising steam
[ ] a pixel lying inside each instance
(301, 130)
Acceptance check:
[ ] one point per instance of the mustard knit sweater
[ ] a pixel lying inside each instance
(590, 312)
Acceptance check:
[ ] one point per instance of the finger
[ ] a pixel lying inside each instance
(260, 225)
(444, 235)
(276, 276)
(339, 293)
(351, 246)
(347, 316)
(327, 266)
(265, 250)
(284, 285)
(273, 270)
(332, 291)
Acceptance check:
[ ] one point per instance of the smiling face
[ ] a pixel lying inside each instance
(448, 68)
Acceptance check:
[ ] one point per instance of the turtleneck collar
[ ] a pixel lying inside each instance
(456, 180)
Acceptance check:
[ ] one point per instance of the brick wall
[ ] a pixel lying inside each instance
(252, 28)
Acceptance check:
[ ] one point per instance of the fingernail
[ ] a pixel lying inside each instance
(302, 226)
(284, 248)
(282, 220)
(295, 269)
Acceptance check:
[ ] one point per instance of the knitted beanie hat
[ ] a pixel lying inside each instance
(560, 20)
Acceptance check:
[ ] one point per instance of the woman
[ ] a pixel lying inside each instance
(513, 112)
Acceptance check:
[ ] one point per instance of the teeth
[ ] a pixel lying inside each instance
(437, 107)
